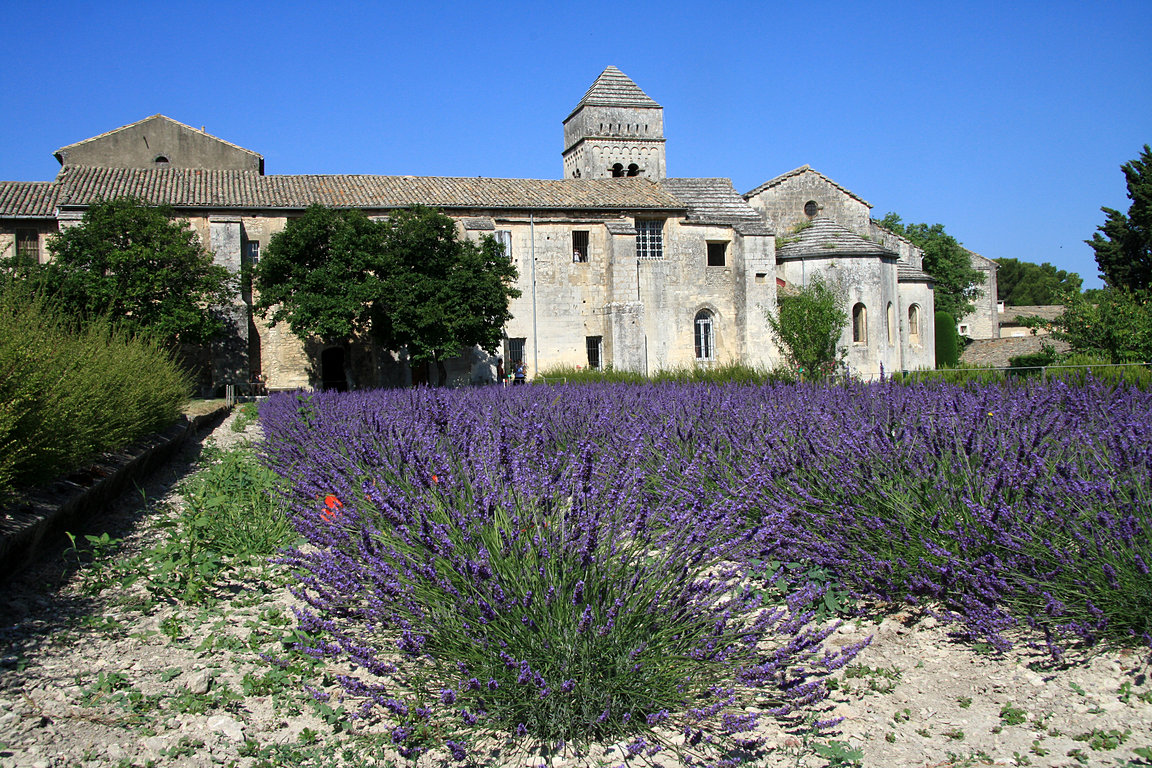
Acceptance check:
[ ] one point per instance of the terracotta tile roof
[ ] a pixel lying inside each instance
(796, 172)
(1011, 315)
(193, 188)
(28, 199)
(613, 88)
(715, 201)
(827, 238)
(906, 273)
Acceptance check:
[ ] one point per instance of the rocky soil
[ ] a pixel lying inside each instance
(95, 673)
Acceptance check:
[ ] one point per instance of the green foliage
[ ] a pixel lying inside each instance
(137, 265)
(321, 274)
(1123, 244)
(408, 281)
(1081, 369)
(232, 511)
(950, 264)
(1035, 360)
(1022, 283)
(1117, 326)
(947, 340)
(66, 396)
(808, 326)
(959, 374)
(731, 373)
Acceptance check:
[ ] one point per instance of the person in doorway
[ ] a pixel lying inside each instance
(519, 372)
(500, 377)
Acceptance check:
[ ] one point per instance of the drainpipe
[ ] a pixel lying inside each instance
(535, 334)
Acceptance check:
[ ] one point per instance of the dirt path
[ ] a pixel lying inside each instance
(92, 673)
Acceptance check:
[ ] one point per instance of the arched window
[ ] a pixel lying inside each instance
(891, 323)
(860, 324)
(914, 323)
(705, 336)
(618, 170)
(633, 170)
(161, 160)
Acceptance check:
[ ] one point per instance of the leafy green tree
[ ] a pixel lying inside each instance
(142, 268)
(321, 274)
(1116, 325)
(1022, 283)
(808, 327)
(407, 282)
(957, 283)
(1123, 244)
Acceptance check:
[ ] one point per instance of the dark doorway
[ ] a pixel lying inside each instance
(332, 369)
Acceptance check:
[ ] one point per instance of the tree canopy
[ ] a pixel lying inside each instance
(142, 268)
(407, 282)
(808, 327)
(1022, 283)
(1115, 324)
(957, 283)
(1123, 244)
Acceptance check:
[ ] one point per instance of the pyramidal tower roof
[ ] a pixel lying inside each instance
(615, 89)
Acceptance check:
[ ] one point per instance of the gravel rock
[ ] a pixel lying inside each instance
(916, 697)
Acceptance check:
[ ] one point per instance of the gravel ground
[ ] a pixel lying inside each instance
(93, 674)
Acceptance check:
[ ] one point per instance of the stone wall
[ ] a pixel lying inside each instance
(159, 142)
(782, 204)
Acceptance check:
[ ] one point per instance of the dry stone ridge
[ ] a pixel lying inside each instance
(619, 264)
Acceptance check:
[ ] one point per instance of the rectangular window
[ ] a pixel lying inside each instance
(649, 238)
(252, 252)
(28, 246)
(513, 352)
(716, 254)
(580, 246)
(504, 237)
(595, 345)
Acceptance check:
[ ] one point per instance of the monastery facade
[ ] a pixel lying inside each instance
(619, 265)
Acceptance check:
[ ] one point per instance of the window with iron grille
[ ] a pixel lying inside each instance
(513, 352)
(580, 246)
(649, 238)
(504, 237)
(716, 254)
(705, 340)
(28, 246)
(595, 345)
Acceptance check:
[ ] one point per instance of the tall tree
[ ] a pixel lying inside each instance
(407, 282)
(808, 326)
(1123, 244)
(949, 263)
(1022, 283)
(141, 267)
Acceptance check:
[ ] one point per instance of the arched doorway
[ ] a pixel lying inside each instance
(332, 374)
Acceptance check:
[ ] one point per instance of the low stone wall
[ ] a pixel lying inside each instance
(44, 513)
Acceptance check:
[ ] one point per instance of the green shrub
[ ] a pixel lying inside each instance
(959, 374)
(947, 341)
(727, 373)
(1081, 368)
(66, 395)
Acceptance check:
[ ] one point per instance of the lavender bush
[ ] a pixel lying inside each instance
(584, 564)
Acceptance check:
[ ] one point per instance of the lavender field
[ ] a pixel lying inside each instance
(656, 566)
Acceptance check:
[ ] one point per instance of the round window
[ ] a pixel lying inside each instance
(811, 209)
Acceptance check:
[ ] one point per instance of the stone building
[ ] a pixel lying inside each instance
(618, 264)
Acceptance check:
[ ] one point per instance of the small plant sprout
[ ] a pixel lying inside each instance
(1010, 714)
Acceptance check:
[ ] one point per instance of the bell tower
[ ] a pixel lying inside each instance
(615, 130)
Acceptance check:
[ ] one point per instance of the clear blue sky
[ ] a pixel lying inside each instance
(1005, 121)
